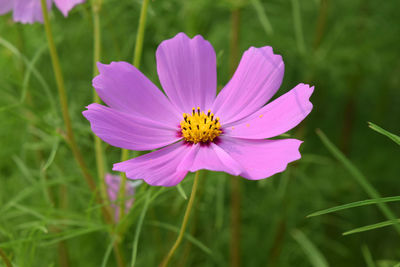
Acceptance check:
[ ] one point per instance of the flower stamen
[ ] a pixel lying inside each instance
(206, 128)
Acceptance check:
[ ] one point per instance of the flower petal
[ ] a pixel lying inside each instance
(257, 78)
(123, 87)
(158, 167)
(210, 157)
(277, 117)
(127, 130)
(261, 158)
(6, 6)
(66, 5)
(28, 11)
(113, 183)
(188, 71)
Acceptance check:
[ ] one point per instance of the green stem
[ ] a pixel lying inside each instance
(122, 186)
(96, 6)
(136, 62)
(298, 29)
(235, 182)
(63, 99)
(184, 222)
(67, 121)
(139, 227)
(98, 145)
(321, 23)
(140, 35)
(6, 261)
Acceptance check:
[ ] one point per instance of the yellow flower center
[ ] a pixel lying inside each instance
(200, 127)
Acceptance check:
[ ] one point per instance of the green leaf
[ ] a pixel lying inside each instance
(380, 130)
(314, 255)
(108, 251)
(373, 226)
(367, 256)
(30, 68)
(358, 177)
(298, 28)
(262, 16)
(139, 225)
(355, 204)
(181, 191)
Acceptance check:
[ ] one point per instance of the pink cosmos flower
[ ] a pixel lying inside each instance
(30, 11)
(191, 127)
(113, 183)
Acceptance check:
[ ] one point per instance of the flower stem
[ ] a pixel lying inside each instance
(235, 182)
(298, 29)
(140, 35)
(5, 259)
(98, 145)
(64, 108)
(184, 222)
(96, 6)
(321, 23)
(139, 227)
(63, 99)
(136, 62)
(235, 221)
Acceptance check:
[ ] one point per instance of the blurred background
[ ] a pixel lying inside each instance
(349, 50)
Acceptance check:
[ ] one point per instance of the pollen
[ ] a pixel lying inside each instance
(200, 127)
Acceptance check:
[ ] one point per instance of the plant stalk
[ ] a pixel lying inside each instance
(67, 121)
(98, 145)
(5, 259)
(184, 222)
(235, 182)
(63, 99)
(136, 62)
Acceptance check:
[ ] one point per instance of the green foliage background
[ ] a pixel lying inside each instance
(348, 49)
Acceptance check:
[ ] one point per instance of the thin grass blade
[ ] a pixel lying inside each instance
(373, 226)
(380, 130)
(262, 16)
(314, 255)
(181, 191)
(358, 176)
(367, 256)
(355, 204)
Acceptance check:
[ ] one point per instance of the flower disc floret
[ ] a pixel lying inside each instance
(200, 127)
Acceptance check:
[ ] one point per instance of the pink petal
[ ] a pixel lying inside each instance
(29, 11)
(66, 5)
(123, 87)
(113, 186)
(210, 157)
(261, 158)
(127, 130)
(257, 78)
(277, 117)
(112, 182)
(157, 168)
(6, 6)
(188, 71)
